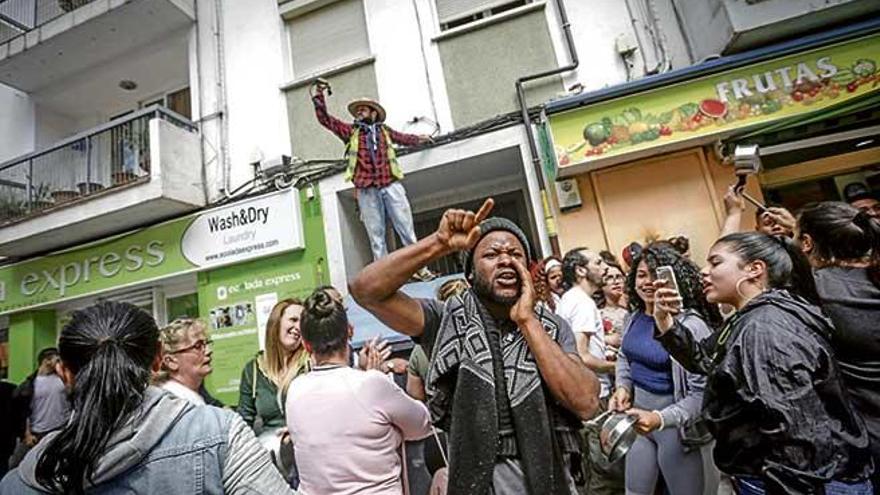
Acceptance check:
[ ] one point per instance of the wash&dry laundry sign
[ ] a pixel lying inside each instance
(258, 227)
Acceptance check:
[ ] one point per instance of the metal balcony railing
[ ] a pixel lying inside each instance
(20, 16)
(112, 155)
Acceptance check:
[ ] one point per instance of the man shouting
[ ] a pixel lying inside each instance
(504, 378)
(373, 167)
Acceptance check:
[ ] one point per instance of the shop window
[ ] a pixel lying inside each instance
(328, 37)
(455, 13)
(185, 306)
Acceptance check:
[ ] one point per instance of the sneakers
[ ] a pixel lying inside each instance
(424, 275)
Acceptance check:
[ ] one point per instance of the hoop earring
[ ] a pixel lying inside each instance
(739, 289)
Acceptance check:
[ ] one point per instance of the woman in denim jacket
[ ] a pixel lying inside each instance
(652, 386)
(127, 437)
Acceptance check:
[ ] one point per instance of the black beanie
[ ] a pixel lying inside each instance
(491, 225)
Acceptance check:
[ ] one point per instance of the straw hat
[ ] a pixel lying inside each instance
(380, 111)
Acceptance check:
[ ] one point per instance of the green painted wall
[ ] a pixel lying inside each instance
(240, 288)
(308, 137)
(29, 333)
(481, 67)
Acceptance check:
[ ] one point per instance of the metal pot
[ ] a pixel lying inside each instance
(616, 434)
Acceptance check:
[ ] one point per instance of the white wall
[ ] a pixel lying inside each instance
(402, 71)
(594, 26)
(16, 123)
(52, 127)
(254, 62)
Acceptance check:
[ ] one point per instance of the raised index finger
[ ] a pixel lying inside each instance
(484, 210)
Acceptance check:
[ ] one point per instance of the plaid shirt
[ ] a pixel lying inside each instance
(373, 168)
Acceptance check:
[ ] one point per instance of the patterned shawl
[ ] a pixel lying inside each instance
(461, 386)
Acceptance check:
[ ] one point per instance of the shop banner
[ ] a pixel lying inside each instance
(243, 231)
(617, 130)
(236, 302)
(246, 230)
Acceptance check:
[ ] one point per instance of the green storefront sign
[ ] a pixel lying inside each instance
(236, 281)
(673, 116)
(150, 254)
(235, 300)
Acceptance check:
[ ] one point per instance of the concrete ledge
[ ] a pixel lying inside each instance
(345, 67)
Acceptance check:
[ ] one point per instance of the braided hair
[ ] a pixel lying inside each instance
(324, 324)
(687, 275)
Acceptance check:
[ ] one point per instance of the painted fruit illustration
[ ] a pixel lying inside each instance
(713, 108)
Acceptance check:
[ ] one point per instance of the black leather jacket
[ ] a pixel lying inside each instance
(774, 398)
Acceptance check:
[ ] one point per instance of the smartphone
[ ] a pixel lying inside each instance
(666, 273)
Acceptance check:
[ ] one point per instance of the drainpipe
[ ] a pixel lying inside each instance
(549, 221)
(220, 66)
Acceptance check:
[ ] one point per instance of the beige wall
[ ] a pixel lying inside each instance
(678, 193)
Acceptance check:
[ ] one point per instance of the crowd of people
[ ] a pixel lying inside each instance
(758, 373)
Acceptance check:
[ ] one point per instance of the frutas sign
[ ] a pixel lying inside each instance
(616, 130)
(260, 227)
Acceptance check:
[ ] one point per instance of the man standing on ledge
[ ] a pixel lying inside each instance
(504, 378)
(373, 167)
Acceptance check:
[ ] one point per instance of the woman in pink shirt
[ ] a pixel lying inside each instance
(347, 425)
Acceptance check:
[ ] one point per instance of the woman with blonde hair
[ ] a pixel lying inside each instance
(265, 378)
(186, 359)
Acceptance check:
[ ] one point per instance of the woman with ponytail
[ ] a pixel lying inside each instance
(347, 425)
(125, 436)
(843, 245)
(774, 398)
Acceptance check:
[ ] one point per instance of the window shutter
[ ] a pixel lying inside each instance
(451, 10)
(328, 37)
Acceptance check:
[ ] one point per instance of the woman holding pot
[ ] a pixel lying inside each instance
(665, 398)
(774, 398)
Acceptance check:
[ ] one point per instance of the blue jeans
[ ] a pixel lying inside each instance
(377, 204)
(753, 486)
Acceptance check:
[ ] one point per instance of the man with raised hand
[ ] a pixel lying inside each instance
(504, 378)
(374, 170)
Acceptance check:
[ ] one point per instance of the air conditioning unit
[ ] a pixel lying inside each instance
(723, 27)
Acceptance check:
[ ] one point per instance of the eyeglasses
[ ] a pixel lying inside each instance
(199, 346)
(613, 278)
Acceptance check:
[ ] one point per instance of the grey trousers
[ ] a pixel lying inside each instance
(685, 473)
(508, 478)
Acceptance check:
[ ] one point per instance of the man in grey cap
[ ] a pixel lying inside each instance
(859, 196)
(504, 377)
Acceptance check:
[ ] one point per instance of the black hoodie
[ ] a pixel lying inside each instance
(774, 397)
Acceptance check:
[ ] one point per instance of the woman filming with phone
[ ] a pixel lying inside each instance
(774, 398)
(656, 389)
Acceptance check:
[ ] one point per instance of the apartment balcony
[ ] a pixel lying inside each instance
(44, 42)
(132, 171)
